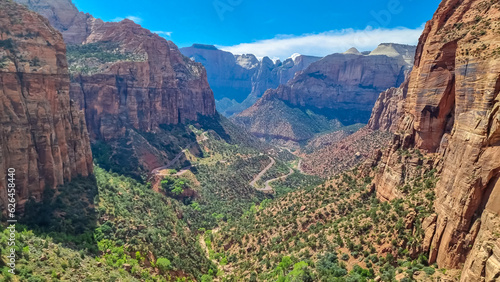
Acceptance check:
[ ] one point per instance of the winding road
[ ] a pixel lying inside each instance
(267, 187)
(253, 183)
(170, 164)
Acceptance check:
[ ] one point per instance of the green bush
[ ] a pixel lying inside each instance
(163, 264)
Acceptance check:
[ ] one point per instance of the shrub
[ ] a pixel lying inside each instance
(163, 264)
(345, 257)
(429, 270)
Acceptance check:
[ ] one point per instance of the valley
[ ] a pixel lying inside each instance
(138, 160)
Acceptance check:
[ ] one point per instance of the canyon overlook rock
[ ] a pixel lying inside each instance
(337, 90)
(451, 113)
(238, 81)
(43, 133)
(132, 84)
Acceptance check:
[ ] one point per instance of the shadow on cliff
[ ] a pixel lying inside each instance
(67, 214)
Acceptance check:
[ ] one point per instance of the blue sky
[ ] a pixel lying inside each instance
(274, 28)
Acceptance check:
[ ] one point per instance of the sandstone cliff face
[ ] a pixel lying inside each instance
(130, 82)
(452, 113)
(389, 108)
(43, 133)
(238, 81)
(162, 87)
(340, 89)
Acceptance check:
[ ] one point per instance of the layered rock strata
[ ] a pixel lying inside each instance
(452, 114)
(43, 133)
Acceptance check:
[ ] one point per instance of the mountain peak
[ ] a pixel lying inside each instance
(353, 51)
(295, 56)
(395, 50)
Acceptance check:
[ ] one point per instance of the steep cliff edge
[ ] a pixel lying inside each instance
(136, 88)
(43, 133)
(452, 113)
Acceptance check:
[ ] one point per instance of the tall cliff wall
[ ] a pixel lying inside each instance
(451, 112)
(43, 134)
(132, 84)
(150, 84)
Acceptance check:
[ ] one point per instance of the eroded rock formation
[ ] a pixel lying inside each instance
(153, 84)
(338, 89)
(43, 134)
(452, 113)
(132, 84)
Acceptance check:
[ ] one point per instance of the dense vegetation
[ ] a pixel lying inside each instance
(87, 58)
(120, 155)
(123, 229)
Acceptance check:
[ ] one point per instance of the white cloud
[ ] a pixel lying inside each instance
(163, 33)
(135, 19)
(322, 44)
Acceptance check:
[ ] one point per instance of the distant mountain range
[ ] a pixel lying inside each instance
(238, 81)
(338, 90)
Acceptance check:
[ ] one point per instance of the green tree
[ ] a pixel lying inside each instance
(163, 264)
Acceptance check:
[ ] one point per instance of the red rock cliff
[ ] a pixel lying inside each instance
(154, 85)
(452, 113)
(43, 135)
(129, 81)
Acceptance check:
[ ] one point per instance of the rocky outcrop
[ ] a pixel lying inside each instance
(238, 81)
(389, 108)
(452, 113)
(43, 133)
(340, 89)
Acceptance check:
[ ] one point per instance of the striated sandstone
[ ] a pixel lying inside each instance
(389, 108)
(452, 113)
(43, 133)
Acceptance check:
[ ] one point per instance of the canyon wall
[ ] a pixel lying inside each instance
(345, 81)
(133, 86)
(151, 84)
(43, 134)
(451, 113)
